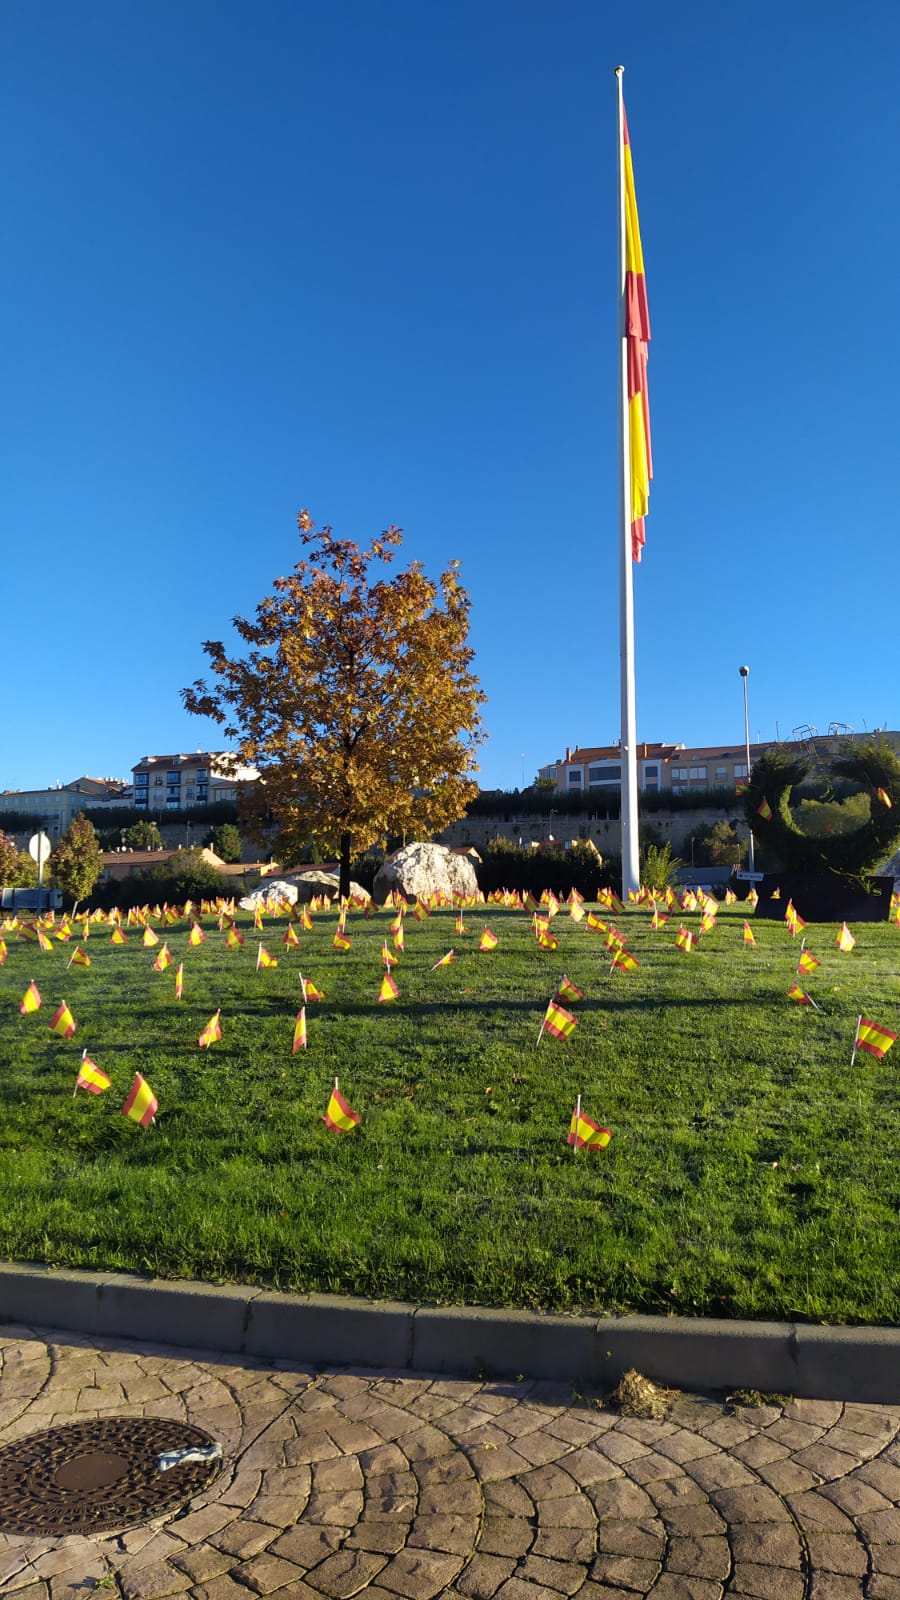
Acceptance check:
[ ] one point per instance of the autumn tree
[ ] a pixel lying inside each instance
(355, 700)
(77, 861)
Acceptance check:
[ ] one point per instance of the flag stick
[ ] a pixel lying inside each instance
(303, 987)
(628, 741)
(856, 1038)
(577, 1121)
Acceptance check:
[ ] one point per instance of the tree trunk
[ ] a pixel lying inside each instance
(344, 889)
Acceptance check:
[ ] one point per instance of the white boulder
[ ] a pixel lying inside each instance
(420, 870)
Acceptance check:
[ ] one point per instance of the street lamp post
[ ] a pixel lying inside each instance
(745, 673)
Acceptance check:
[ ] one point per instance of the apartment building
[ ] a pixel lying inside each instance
(674, 767)
(57, 806)
(178, 782)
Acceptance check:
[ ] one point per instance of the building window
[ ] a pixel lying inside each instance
(698, 772)
(651, 770)
(158, 780)
(141, 780)
(679, 774)
(604, 774)
(740, 769)
(201, 775)
(721, 774)
(171, 805)
(575, 779)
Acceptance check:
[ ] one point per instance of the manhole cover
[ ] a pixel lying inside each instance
(92, 1476)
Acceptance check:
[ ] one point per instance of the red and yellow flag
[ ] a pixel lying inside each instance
(118, 937)
(341, 941)
(289, 938)
(845, 940)
(179, 980)
(264, 959)
(196, 935)
(488, 940)
(800, 995)
(62, 1022)
(748, 935)
(586, 1134)
(163, 960)
(558, 1021)
(212, 1033)
(624, 961)
(141, 1103)
(388, 990)
(871, 1037)
(79, 958)
(567, 990)
(31, 1000)
(885, 798)
(310, 991)
(150, 938)
(807, 963)
(685, 940)
(90, 1077)
(445, 961)
(764, 810)
(339, 1117)
(299, 1032)
(234, 939)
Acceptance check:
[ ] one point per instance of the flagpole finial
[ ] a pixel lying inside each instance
(619, 71)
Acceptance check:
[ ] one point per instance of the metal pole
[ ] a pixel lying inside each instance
(745, 673)
(628, 741)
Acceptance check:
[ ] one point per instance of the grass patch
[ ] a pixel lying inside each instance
(751, 1173)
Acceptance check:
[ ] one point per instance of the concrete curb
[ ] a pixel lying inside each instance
(852, 1364)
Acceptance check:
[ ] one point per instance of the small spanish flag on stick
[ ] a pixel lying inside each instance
(341, 941)
(150, 938)
(90, 1077)
(212, 1033)
(764, 810)
(264, 959)
(339, 1117)
(163, 960)
(299, 1032)
(388, 990)
(196, 935)
(801, 997)
(871, 1037)
(488, 940)
(63, 1022)
(557, 1021)
(748, 935)
(141, 1104)
(179, 980)
(118, 937)
(567, 990)
(845, 940)
(445, 961)
(585, 1133)
(78, 958)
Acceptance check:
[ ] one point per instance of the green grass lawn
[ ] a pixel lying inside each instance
(751, 1172)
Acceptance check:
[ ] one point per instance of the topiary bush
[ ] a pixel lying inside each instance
(853, 855)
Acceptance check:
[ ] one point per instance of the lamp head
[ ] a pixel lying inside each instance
(744, 672)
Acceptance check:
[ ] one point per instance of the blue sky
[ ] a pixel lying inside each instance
(361, 257)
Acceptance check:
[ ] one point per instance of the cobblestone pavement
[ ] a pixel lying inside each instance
(344, 1482)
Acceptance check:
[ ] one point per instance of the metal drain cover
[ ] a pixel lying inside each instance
(92, 1476)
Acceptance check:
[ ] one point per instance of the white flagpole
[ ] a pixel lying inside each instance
(577, 1120)
(628, 742)
(856, 1039)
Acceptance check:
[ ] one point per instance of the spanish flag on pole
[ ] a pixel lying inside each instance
(339, 1117)
(299, 1031)
(31, 999)
(90, 1077)
(872, 1037)
(557, 1021)
(212, 1033)
(63, 1022)
(388, 990)
(488, 940)
(141, 1103)
(585, 1133)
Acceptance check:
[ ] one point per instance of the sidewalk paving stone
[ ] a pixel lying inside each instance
(347, 1482)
